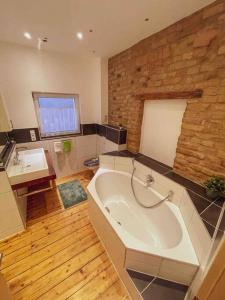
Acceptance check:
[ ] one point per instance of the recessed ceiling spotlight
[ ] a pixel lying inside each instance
(27, 35)
(146, 19)
(80, 35)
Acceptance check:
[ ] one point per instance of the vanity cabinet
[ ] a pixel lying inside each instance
(5, 122)
(10, 218)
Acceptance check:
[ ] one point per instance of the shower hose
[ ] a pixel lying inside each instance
(136, 198)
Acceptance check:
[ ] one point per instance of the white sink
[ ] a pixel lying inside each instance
(32, 165)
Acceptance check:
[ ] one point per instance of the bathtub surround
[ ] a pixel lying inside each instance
(208, 209)
(192, 204)
(122, 254)
(186, 56)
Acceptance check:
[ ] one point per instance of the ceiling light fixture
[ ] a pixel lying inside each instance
(27, 35)
(80, 35)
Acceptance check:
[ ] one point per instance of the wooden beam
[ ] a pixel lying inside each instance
(170, 95)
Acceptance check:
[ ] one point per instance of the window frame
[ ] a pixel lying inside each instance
(37, 95)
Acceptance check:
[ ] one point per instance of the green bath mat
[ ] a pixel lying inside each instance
(71, 193)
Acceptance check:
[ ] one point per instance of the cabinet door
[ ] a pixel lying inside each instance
(5, 123)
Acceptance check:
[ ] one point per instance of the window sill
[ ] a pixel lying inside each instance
(60, 136)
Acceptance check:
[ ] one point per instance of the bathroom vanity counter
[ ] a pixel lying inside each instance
(45, 179)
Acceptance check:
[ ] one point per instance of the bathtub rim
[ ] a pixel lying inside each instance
(157, 252)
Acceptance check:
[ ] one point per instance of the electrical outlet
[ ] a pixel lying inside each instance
(33, 135)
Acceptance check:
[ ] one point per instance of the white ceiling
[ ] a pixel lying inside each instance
(116, 24)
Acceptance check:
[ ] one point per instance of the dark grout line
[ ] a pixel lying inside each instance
(148, 285)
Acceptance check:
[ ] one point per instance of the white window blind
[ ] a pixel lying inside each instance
(58, 114)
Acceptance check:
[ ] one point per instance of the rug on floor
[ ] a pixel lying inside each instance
(71, 193)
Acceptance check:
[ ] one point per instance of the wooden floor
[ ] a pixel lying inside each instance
(59, 256)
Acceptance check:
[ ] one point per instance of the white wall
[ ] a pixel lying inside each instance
(161, 128)
(25, 69)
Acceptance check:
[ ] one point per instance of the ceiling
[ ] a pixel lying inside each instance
(116, 24)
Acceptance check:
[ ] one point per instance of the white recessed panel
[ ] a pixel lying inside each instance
(161, 127)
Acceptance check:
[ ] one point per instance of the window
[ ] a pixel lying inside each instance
(58, 114)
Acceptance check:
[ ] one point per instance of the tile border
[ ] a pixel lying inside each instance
(112, 133)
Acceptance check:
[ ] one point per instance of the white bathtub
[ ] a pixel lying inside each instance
(159, 232)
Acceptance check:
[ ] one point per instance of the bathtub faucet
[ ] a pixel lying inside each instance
(149, 180)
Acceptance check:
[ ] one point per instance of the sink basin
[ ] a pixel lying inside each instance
(32, 165)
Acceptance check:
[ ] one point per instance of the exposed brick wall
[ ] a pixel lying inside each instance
(187, 55)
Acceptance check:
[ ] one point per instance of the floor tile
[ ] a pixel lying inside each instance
(140, 280)
(161, 289)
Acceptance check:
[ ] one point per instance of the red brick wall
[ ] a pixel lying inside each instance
(187, 55)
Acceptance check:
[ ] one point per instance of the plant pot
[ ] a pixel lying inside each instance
(212, 194)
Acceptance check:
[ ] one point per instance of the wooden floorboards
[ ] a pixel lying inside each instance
(59, 256)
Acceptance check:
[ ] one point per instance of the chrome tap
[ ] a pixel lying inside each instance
(16, 159)
(149, 180)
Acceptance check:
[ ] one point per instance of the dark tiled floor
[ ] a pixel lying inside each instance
(157, 289)
(140, 280)
(161, 289)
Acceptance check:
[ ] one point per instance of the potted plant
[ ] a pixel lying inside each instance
(215, 187)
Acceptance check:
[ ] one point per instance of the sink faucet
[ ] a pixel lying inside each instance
(149, 180)
(16, 160)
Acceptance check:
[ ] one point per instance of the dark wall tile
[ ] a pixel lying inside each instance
(151, 163)
(123, 153)
(211, 215)
(219, 201)
(209, 227)
(156, 161)
(3, 138)
(199, 202)
(122, 137)
(23, 135)
(88, 129)
(127, 153)
(161, 289)
(101, 130)
(112, 135)
(115, 135)
(198, 189)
